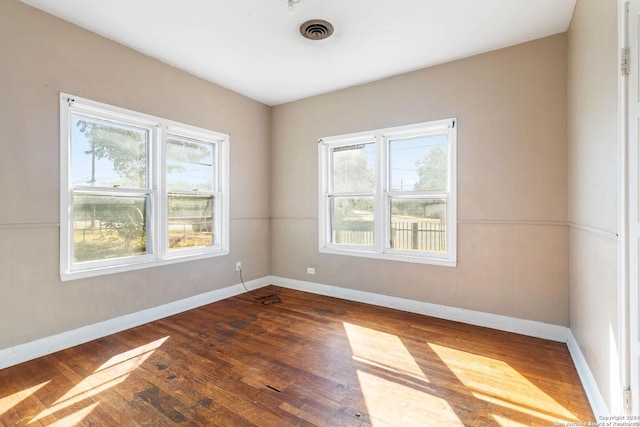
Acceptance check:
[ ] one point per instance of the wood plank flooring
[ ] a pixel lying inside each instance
(308, 361)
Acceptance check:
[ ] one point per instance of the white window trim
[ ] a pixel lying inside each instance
(380, 248)
(156, 189)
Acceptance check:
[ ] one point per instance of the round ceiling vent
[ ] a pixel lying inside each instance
(316, 29)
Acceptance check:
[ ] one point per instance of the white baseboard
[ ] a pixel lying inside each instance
(494, 321)
(41, 347)
(477, 318)
(589, 384)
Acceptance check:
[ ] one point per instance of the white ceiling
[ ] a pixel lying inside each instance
(253, 47)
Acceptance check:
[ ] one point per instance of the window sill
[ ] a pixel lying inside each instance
(101, 271)
(443, 262)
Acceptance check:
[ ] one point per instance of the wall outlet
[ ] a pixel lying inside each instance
(238, 266)
(311, 270)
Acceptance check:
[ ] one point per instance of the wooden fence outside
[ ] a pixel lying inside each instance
(412, 236)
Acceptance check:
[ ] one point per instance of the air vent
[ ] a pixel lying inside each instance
(316, 29)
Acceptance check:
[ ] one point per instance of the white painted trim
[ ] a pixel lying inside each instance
(503, 323)
(596, 400)
(383, 193)
(28, 351)
(625, 353)
(154, 190)
(495, 321)
(632, 211)
(594, 230)
(41, 347)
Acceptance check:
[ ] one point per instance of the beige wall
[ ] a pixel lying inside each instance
(592, 134)
(512, 233)
(516, 255)
(40, 56)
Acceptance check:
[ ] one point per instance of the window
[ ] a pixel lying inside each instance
(137, 191)
(390, 193)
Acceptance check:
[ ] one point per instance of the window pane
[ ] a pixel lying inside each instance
(107, 227)
(419, 224)
(191, 221)
(353, 168)
(108, 154)
(418, 164)
(352, 220)
(189, 165)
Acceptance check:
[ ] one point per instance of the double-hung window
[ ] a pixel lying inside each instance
(390, 193)
(137, 190)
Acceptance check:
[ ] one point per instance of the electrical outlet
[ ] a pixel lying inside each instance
(238, 266)
(311, 270)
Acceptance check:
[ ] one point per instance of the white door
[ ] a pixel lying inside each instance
(633, 110)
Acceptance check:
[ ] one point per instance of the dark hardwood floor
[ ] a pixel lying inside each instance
(308, 361)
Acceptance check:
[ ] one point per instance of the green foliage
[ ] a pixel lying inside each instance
(128, 224)
(116, 226)
(432, 170)
(94, 244)
(351, 170)
(124, 147)
(352, 173)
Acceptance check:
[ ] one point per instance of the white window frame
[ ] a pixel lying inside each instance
(158, 252)
(382, 195)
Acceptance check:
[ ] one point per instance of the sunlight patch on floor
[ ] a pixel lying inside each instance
(111, 373)
(382, 349)
(8, 402)
(135, 353)
(517, 408)
(506, 422)
(75, 418)
(396, 393)
(496, 382)
(392, 403)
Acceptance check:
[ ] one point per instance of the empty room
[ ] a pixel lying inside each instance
(319, 212)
